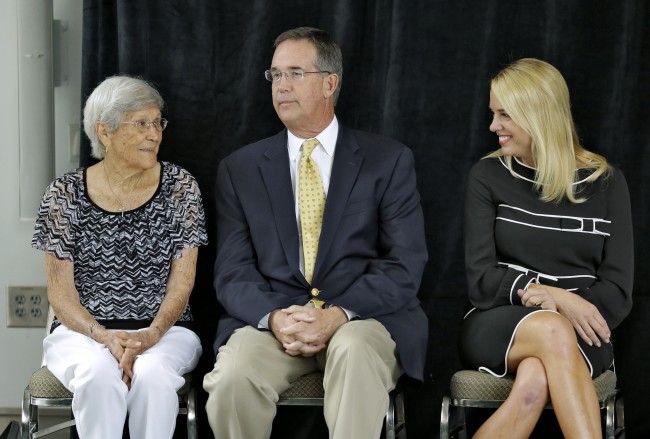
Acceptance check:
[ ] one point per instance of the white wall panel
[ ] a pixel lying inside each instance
(35, 97)
(19, 263)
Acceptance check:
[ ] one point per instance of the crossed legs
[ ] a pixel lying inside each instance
(548, 365)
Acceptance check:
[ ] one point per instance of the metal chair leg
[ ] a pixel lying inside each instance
(26, 415)
(619, 419)
(444, 418)
(609, 417)
(395, 420)
(191, 415)
(390, 418)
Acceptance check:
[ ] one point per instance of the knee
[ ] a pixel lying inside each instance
(154, 376)
(228, 378)
(554, 333)
(360, 339)
(531, 384)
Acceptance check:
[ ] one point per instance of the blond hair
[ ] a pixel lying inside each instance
(536, 97)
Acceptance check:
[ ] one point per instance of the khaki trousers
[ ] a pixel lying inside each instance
(360, 369)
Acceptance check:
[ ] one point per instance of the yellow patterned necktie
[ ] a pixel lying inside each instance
(311, 203)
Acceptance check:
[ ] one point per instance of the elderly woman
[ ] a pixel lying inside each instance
(549, 257)
(121, 239)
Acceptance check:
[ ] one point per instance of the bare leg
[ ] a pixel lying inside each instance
(517, 416)
(550, 338)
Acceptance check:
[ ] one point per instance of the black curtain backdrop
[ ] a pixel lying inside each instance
(417, 71)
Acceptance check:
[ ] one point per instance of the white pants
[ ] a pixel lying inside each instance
(101, 399)
(360, 369)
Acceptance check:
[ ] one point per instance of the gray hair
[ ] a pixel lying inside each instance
(111, 101)
(328, 53)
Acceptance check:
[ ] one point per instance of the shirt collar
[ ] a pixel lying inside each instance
(327, 138)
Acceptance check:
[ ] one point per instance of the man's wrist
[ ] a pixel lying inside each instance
(342, 314)
(350, 315)
(269, 322)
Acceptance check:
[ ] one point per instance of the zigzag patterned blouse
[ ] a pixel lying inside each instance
(122, 262)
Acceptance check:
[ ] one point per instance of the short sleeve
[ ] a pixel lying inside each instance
(189, 213)
(55, 222)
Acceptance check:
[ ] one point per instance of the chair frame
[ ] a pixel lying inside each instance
(395, 420)
(453, 420)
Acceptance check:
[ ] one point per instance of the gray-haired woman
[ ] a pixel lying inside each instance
(121, 239)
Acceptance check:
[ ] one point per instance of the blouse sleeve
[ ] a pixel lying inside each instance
(55, 222)
(612, 291)
(189, 213)
(489, 283)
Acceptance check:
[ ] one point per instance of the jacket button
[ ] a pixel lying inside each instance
(315, 292)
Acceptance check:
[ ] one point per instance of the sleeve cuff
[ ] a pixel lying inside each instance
(264, 322)
(522, 282)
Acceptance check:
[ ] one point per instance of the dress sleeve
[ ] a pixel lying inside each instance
(56, 220)
(612, 291)
(489, 283)
(189, 213)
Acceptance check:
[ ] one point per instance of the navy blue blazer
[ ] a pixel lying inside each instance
(372, 249)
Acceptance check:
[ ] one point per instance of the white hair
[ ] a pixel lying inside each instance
(111, 101)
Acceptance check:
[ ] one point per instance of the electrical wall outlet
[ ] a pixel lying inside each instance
(27, 306)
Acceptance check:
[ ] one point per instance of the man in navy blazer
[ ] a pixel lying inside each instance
(367, 327)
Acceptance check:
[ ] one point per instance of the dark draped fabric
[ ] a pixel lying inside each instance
(417, 71)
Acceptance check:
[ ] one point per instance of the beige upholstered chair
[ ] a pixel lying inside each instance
(308, 390)
(470, 388)
(44, 391)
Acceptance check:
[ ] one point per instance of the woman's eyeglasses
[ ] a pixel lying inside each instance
(143, 125)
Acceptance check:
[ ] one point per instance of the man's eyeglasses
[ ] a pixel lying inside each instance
(293, 75)
(144, 125)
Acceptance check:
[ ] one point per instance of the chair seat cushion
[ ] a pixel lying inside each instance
(307, 386)
(471, 384)
(45, 385)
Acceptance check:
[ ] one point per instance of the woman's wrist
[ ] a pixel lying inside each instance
(157, 331)
(93, 329)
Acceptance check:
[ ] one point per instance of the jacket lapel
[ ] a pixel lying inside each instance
(277, 180)
(345, 169)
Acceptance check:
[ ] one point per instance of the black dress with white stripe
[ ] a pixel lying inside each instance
(122, 261)
(512, 238)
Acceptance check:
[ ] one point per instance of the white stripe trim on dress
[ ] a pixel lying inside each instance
(518, 175)
(575, 218)
(552, 277)
(512, 288)
(526, 270)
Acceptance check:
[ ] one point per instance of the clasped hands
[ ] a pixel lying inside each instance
(126, 346)
(583, 315)
(304, 330)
